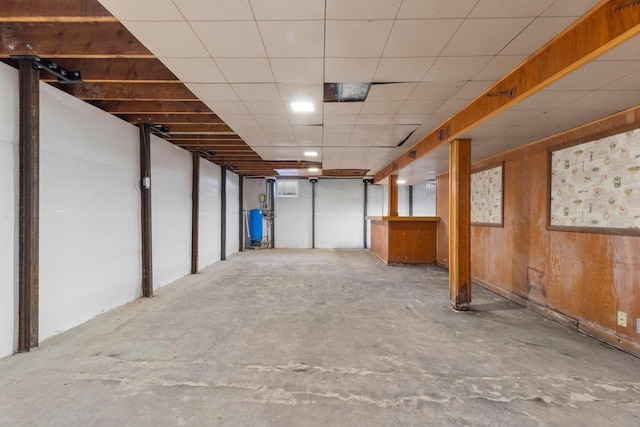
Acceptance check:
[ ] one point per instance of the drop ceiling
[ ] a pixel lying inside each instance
(246, 61)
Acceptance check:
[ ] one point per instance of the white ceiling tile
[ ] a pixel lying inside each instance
(570, 7)
(333, 163)
(288, 9)
(285, 138)
(271, 119)
(310, 119)
(301, 92)
(240, 121)
(536, 35)
(386, 141)
(333, 151)
(435, 9)
(381, 107)
(595, 74)
(194, 70)
(457, 68)
(602, 99)
(293, 39)
(265, 107)
(213, 91)
(362, 9)
(400, 130)
(349, 70)
(513, 118)
(329, 130)
(420, 38)
(230, 107)
(435, 90)
(356, 39)
(298, 71)
(390, 92)
(546, 100)
(484, 36)
(499, 66)
(342, 107)
(369, 129)
(278, 128)
(215, 10)
(245, 70)
(336, 139)
(407, 119)
(451, 106)
(168, 39)
(420, 107)
(307, 130)
(340, 119)
(472, 89)
(257, 92)
(308, 140)
(403, 69)
(267, 153)
(565, 119)
(374, 119)
(628, 82)
(629, 50)
(509, 9)
(230, 39)
(246, 129)
(145, 10)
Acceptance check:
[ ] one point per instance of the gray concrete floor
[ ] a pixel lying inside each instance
(319, 338)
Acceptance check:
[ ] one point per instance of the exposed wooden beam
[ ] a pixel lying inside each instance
(199, 127)
(204, 138)
(460, 224)
(80, 40)
(39, 9)
(592, 35)
(171, 119)
(130, 91)
(151, 107)
(117, 70)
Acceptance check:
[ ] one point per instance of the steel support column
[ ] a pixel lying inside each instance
(365, 213)
(195, 211)
(145, 196)
(411, 200)
(29, 228)
(241, 212)
(313, 213)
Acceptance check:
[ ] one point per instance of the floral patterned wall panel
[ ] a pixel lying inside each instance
(486, 196)
(597, 184)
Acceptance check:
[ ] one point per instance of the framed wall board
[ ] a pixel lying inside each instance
(595, 186)
(487, 196)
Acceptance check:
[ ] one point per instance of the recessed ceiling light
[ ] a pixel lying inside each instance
(302, 107)
(311, 153)
(402, 181)
(313, 170)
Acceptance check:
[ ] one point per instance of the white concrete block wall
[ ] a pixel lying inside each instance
(339, 213)
(9, 137)
(89, 212)
(171, 182)
(424, 200)
(233, 212)
(209, 227)
(293, 218)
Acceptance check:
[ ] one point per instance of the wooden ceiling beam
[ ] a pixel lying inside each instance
(151, 107)
(600, 30)
(204, 139)
(199, 127)
(171, 119)
(116, 70)
(71, 40)
(39, 9)
(131, 91)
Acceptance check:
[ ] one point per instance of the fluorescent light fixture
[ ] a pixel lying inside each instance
(302, 107)
(313, 170)
(311, 153)
(402, 181)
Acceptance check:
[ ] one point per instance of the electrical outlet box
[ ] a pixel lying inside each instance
(622, 319)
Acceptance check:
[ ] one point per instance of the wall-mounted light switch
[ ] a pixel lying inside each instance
(622, 319)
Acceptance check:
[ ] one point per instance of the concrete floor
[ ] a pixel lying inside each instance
(319, 338)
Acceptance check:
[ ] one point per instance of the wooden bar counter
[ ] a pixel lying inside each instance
(398, 240)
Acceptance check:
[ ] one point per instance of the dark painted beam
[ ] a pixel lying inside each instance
(145, 197)
(28, 275)
(365, 213)
(313, 213)
(195, 211)
(411, 200)
(223, 214)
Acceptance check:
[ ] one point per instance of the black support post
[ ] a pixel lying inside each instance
(365, 213)
(411, 200)
(241, 212)
(195, 211)
(29, 228)
(271, 188)
(223, 214)
(145, 195)
(313, 213)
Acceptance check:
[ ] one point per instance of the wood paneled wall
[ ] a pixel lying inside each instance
(584, 276)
